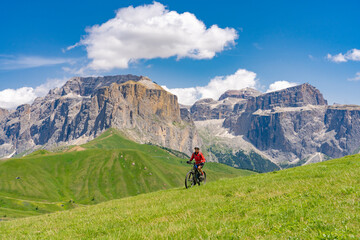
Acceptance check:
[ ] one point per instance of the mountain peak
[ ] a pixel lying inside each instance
(244, 93)
(297, 96)
(144, 78)
(85, 86)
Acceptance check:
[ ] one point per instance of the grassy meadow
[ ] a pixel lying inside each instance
(109, 167)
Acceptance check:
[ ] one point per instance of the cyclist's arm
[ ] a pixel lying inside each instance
(192, 157)
(203, 158)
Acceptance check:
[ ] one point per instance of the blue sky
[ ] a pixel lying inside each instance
(277, 40)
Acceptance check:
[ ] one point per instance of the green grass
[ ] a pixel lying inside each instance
(109, 167)
(251, 161)
(318, 201)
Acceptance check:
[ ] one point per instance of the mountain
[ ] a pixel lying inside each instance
(317, 201)
(244, 93)
(221, 145)
(290, 127)
(85, 107)
(296, 125)
(243, 128)
(108, 167)
(230, 102)
(3, 113)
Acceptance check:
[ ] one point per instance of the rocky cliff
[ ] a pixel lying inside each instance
(85, 107)
(232, 101)
(297, 96)
(295, 124)
(290, 127)
(245, 93)
(3, 113)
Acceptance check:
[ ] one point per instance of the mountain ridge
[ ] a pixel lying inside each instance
(288, 127)
(85, 107)
(292, 126)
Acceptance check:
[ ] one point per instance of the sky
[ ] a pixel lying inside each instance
(195, 49)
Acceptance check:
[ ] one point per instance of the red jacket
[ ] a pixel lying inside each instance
(199, 158)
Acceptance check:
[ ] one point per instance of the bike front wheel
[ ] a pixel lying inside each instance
(189, 180)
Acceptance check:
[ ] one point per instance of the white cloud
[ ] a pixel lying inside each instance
(185, 96)
(152, 31)
(279, 85)
(356, 78)
(51, 83)
(11, 98)
(242, 78)
(336, 58)
(351, 55)
(9, 62)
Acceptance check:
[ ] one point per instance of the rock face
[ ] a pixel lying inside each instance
(205, 109)
(342, 124)
(230, 102)
(294, 124)
(245, 93)
(290, 127)
(295, 134)
(3, 113)
(297, 96)
(84, 107)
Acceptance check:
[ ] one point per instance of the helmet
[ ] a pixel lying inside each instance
(197, 148)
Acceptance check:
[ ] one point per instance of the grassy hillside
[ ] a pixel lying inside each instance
(106, 168)
(318, 201)
(240, 159)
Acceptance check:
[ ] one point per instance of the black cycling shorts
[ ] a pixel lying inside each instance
(200, 164)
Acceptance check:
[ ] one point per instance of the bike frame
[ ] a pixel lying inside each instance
(196, 176)
(196, 171)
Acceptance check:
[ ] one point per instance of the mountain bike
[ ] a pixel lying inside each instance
(193, 177)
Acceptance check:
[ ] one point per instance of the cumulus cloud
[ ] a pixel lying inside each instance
(279, 85)
(11, 98)
(242, 78)
(336, 58)
(152, 31)
(351, 55)
(9, 62)
(356, 78)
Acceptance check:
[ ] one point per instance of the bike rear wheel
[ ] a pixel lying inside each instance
(189, 180)
(204, 181)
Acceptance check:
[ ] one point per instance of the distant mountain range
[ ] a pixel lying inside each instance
(243, 128)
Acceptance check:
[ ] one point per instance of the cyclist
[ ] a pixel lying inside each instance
(199, 160)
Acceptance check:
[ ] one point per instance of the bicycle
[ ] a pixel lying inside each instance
(193, 177)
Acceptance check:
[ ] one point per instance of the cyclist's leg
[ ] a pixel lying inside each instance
(200, 169)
